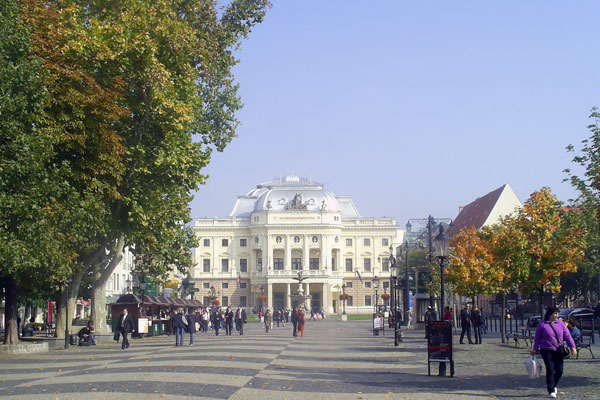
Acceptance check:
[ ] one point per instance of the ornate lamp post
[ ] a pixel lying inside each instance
(394, 302)
(344, 299)
(441, 252)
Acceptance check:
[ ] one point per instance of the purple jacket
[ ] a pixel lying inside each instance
(546, 339)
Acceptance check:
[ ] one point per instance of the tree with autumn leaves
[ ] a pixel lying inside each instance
(528, 251)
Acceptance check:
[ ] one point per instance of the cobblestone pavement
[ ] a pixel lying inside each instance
(335, 360)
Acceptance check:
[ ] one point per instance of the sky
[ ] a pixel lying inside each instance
(411, 108)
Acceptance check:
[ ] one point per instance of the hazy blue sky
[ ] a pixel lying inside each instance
(412, 108)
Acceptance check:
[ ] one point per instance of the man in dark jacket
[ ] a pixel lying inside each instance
(125, 326)
(465, 323)
(217, 318)
(477, 324)
(228, 321)
(179, 323)
(240, 319)
(430, 315)
(295, 321)
(191, 326)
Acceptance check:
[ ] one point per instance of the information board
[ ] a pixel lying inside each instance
(439, 346)
(378, 323)
(142, 325)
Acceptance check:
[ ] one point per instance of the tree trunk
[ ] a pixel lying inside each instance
(101, 273)
(73, 290)
(542, 302)
(11, 335)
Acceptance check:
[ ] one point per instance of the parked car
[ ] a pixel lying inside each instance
(532, 322)
(582, 316)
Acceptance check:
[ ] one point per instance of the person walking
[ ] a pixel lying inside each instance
(301, 322)
(125, 326)
(294, 319)
(465, 323)
(268, 320)
(205, 319)
(191, 326)
(312, 314)
(179, 323)
(448, 315)
(477, 324)
(228, 321)
(430, 315)
(549, 336)
(217, 320)
(240, 319)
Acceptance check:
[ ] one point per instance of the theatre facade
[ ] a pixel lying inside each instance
(287, 226)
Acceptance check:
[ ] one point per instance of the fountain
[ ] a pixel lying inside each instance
(298, 298)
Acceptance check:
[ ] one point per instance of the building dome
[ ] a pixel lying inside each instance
(292, 194)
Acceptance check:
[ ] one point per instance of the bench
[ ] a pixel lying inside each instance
(525, 336)
(585, 342)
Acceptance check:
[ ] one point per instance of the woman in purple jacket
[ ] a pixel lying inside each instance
(546, 341)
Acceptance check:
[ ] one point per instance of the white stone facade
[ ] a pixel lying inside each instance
(286, 226)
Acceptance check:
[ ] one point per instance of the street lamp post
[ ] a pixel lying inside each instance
(143, 289)
(406, 286)
(441, 251)
(376, 287)
(67, 338)
(394, 284)
(344, 293)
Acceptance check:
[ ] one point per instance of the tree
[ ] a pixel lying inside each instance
(470, 269)
(160, 74)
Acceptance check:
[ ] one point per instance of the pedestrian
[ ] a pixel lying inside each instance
(322, 312)
(430, 315)
(282, 317)
(465, 323)
(301, 322)
(260, 316)
(217, 320)
(240, 320)
(125, 326)
(409, 319)
(312, 314)
(228, 321)
(477, 322)
(549, 336)
(574, 331)
(178, 322)
(268, 320)
(86, 335)
(448, 315)
(294, 319)
(205, 319)
(191, 326)
(276, 316)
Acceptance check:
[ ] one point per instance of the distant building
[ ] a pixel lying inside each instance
(488, 209)
(284, 227)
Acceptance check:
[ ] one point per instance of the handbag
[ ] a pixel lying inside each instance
(116, 336)
(563, 349)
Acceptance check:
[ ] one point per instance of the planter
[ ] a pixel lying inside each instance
(385, 296)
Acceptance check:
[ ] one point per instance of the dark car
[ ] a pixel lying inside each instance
(583, 317)
(532, 322)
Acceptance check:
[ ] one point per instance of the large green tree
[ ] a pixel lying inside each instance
(160, 74)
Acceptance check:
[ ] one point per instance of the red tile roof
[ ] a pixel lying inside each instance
(475, 213)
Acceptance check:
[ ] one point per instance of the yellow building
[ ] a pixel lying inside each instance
(287, 226)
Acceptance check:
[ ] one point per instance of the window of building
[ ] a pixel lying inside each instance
(386, 285)
(278, 239)
(348, 284)
(243, 242)
(368, 301)
(256, 239)
(348, 265)
(315, 239)
(367, 284)
(348, 242)
(314, 263)
(367, 264)
(367, 242)
(206, 285)
(385, 242)
(225, 285)
(225, 265)
(243, 285)
(243, 301)
(337, 239)
(206, 242)
(206, 265)
(225, 301)
(333, 264)
(350, 301)
(256, 219)
(385, 264)
(243, 265)
(336, 218)
(278, 264)
(259, 264)
(296, 239)
(296, 264)
(224, 242)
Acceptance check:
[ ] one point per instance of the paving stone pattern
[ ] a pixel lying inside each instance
(335, 360)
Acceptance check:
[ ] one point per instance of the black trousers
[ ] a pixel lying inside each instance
(239, 325)
(295, 325)
(554, 368)
(466, 328)
(228, 327)
(477, 331)
(125, 343)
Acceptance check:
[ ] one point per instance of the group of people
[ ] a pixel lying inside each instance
(296, 316)
(470, 317)
(217, 318)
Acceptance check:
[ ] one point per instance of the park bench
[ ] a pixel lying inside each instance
(525, 336)
(585, 342)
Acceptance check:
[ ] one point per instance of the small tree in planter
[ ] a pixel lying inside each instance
(385, 296)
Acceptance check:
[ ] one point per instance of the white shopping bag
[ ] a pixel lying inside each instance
(534, 367)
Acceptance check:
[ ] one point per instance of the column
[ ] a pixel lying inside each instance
(325, 298)
(270, 296)
(323, 257)
(309, 300)
(306, 249)
(288, 300)
(288, 254)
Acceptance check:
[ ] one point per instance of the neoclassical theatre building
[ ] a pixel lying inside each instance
(286, 226)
